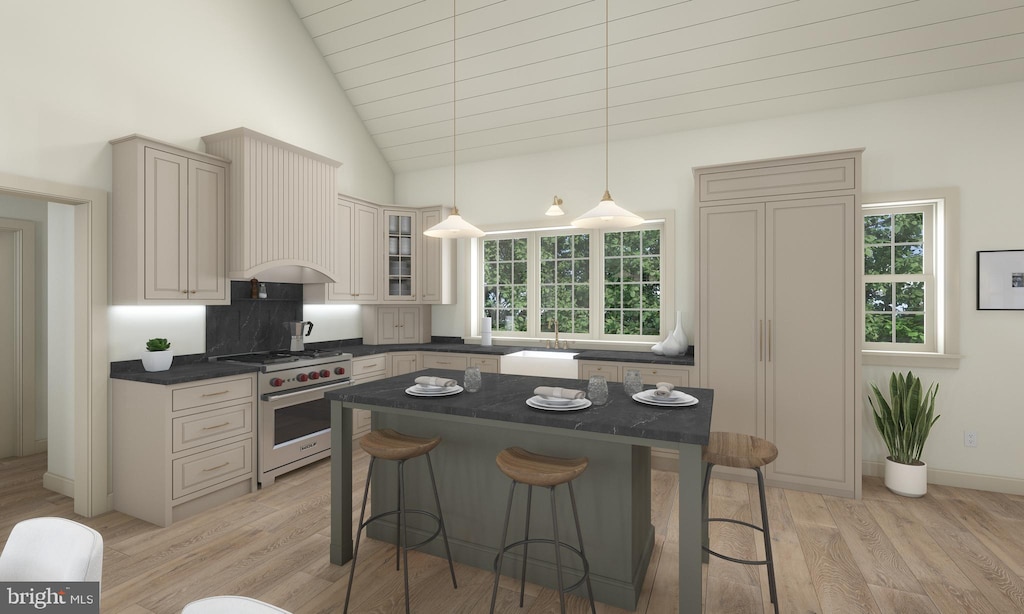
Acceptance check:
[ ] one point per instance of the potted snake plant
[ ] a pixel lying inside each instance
(158, 355)
(904, 423)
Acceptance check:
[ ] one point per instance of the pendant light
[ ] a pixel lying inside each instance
(555, 208)
(453, 226)
(607, 214)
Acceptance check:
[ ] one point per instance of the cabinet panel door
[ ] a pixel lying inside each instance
(388, 325)
(166, 225)
(409, 325)
(401, 230)
(341, 289)
(404, 362)
(811, 313)
(207, 204)
(365, 262)
(731, 307)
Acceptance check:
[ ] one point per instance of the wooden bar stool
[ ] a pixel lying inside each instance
(548, 471)
(387, 444)
(742, 452)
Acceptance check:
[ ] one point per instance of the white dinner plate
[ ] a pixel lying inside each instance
(554, 400)
(537, 402)
(676, 399)
(446, 391)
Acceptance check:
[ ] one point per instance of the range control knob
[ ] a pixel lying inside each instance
(325, 373)
(339, 370)
(301, 377)
(277, 381)
(314, 375)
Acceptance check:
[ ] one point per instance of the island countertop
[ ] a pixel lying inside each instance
(503, 398)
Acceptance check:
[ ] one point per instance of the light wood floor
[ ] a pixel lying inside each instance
(954, 551)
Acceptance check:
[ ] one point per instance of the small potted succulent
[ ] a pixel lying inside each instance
(158, 355)
(904, 423)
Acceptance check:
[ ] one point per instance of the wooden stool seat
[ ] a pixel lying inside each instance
(539, 470)
(738, 450)
(392, 445)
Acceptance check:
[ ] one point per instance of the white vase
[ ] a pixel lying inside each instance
(906, 480)
(679, 335)
(656, 348)
(157, 361)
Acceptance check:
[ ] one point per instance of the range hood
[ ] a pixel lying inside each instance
(281, 208)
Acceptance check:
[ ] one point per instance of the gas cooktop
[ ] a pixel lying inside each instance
(277, 357)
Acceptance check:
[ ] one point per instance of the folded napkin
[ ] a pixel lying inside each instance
(426, 380)
(663, 389)
(565, 393)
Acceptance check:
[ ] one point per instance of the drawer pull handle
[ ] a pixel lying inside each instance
(217, 426)
(217, 467)
(215, 394)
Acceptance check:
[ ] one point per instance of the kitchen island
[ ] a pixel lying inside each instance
(614, 493)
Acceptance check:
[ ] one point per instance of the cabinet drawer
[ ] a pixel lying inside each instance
(487, 364)
(214, 392)
(610, 371)
(662, 373)
(197, 429)
(199, 471)
(444, 361)
(371, 364)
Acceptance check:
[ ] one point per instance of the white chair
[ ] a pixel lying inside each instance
(231, 604)
(52, 549)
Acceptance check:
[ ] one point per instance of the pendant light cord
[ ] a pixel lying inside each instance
(606, 95)
(455, 129)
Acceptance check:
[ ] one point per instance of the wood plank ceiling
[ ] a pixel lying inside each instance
(530, 74)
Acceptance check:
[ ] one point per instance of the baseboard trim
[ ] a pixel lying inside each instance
(959, 479)
(59, 484)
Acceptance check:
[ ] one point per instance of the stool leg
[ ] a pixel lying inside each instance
(501, 546)
(403, 523)
(359, 532)
(579, 536)
(558, 549)
(526, 546)
(767, 540)
(398, 528)
(440, 516)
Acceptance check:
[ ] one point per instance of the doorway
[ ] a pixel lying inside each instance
(17, 338)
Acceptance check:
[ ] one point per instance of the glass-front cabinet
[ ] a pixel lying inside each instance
(401, 231)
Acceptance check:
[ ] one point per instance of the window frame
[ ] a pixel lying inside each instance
(947, 280)
(662, 221)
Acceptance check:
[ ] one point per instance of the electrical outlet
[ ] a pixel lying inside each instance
(970, 439)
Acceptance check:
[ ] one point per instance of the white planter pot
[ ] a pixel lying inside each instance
(157, 361)
(906, 480)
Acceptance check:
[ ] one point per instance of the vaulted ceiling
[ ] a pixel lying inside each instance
(530, 74)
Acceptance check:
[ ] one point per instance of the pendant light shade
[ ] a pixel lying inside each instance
(555, 208)
(607, 214)
(453, 226)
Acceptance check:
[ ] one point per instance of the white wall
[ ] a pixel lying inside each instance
(60, 355)
(969, 139)
(78, 74)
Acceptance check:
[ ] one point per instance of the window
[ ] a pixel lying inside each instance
(591, 284)
(899, 277)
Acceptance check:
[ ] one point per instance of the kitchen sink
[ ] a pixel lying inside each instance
(541, 363)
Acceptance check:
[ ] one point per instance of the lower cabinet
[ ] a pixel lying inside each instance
(366, 369)
(179, 450)
(404, 362)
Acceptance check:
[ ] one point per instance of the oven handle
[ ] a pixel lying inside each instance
(270, 397)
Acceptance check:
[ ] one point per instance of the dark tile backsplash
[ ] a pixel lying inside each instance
(253, 325)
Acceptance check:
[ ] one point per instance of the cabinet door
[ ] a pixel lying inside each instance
(365, 253)
(388, 325)
(409, 325)
(404, 362)
(166, 225)
(810, 341)
(342, 289)
(207, 204)
(731, 348)
(436, 262)
(400, 242)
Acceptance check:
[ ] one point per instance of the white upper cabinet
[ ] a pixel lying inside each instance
(417, 268)
(283, 203)
(168, 224)
(357, 250)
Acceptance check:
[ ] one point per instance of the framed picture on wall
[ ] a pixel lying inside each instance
(1001, 279)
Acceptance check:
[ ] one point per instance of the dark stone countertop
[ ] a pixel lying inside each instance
(503, 398)
(195, 367)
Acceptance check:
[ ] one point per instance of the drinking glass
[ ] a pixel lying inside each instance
(472, 381)
(632, 383)
(597, 390)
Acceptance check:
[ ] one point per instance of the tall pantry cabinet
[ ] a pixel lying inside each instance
(778, 272)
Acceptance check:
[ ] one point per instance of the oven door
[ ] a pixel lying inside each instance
(293, 426)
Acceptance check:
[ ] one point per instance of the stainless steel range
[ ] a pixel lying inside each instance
(293, 418)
